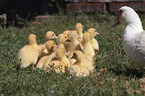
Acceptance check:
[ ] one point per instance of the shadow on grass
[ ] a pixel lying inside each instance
(134, 72)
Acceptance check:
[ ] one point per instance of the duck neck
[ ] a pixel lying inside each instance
(132, 29)
(79, 31)
(33, 44)
(60, 45)
(50, 51)
(75, 44)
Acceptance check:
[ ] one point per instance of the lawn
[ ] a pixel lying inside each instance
(115, 74)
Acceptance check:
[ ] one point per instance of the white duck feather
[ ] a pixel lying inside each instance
(134, 35)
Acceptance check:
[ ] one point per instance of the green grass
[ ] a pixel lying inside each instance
(115, 74)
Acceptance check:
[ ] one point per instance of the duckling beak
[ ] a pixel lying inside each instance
(98, 33)
(68, 40)
(55, 37)
(79, 37)
(67, 54)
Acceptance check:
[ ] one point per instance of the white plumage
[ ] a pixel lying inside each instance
(134, 35)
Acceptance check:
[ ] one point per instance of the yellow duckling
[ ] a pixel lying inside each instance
(50, 46)
(66, 32)
(82, 66)
(67, 44)
(62, 38)
(93, 41)
(42, 50)
(87, 47)
(79, 28)
(75, 44)
(29, 53)
(59, 54)
(50, 35)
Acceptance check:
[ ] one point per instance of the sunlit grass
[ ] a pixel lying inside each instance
(115, 74)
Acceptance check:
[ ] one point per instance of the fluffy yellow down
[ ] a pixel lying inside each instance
(29, 53)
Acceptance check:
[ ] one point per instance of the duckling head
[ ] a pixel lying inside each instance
(73, 35)
(62, 38)
(79, 26)
(93, 32)
(87, 37)
(50, 35)
(66, 32)
(50, 45)
(32, 38)
(60, 53)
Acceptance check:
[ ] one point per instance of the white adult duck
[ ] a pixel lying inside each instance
(134, 35)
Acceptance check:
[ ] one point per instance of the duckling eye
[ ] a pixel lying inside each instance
(74, 54)
(52, 34)
(63, 51)
(53, 43)
(65, 37)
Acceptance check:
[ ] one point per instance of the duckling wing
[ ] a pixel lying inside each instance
(42, 50)
(41, 62)
(95, 44)
(28, 55)
(135, 49)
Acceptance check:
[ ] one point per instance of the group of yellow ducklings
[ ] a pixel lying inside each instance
(75, 50)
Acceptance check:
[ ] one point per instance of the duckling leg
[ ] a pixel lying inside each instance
(98, 54)
(34, 62)
(32, 65)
